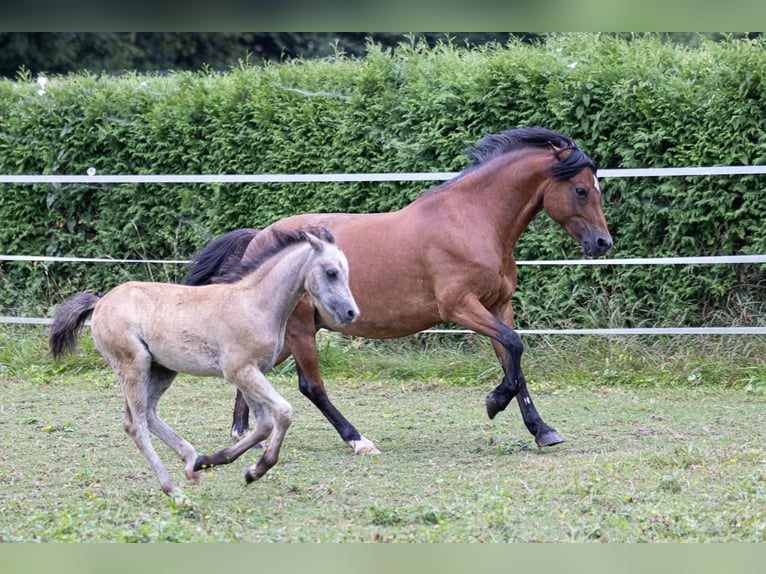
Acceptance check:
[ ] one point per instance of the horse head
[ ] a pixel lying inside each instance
(573, 200)
(327, 280)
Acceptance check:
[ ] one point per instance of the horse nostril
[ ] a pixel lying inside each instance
(351, 314)
(604, 242)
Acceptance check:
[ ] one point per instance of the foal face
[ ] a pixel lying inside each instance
(575, 204)
(327, 285)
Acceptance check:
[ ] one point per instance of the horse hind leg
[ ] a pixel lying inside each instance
(132, 364)
(160, 381)
(136, 426)
(300, 338)
(313, 388)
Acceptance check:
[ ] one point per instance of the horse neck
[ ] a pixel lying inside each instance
(508, 193)
(280, 279)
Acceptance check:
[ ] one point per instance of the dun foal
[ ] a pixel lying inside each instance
(149, 332)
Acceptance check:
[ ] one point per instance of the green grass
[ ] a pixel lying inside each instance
(665, 442)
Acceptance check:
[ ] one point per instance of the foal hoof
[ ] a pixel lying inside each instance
(193, 476)
(250, 476)
(548, 438)
(201, 462)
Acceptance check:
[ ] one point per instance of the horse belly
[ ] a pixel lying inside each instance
(197, 360)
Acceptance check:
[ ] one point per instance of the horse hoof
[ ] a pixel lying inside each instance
(492, 407)
(201, 462)
(193, 476)
(179, 498)
(363, 446)
(250, 476)
(548, 438)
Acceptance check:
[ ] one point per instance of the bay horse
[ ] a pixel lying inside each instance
(447, 257)
(149, 332)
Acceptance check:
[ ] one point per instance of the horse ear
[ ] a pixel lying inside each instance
(315, 242)
(556, 150)
(559, 152)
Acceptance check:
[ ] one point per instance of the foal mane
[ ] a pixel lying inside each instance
(266, 245)
(493, 145)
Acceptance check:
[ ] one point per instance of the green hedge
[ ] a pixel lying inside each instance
(628, 103)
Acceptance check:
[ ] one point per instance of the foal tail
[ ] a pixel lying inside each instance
(209, 263)
(68, 323)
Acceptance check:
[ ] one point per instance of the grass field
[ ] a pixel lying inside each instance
(665, 442)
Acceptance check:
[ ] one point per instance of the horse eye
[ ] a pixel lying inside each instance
(581, 191)
(332, 274)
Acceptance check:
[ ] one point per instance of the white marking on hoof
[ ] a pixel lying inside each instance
(363, 446)
(178, 499)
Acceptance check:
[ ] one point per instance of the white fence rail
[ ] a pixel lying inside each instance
(92, 178)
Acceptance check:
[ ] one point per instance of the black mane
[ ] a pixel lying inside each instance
(493, 145)
(236, 268)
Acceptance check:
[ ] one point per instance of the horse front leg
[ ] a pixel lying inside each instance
(313, 388)
(508, 348)
(514, 384)
(240, 424)
(300, 339)
(273, 416)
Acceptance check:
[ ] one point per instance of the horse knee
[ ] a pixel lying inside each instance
(283, 415)
(264, 425)
(310, 389)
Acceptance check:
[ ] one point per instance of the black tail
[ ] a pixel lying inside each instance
(209, 262)
(68, 323)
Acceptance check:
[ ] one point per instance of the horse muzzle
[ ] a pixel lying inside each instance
(343, 312)
(595, 243)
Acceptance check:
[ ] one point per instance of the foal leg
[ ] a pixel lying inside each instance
(273, 412)
(280, 414)
(240, 424)
(508, 347)
(134, 385)
(264, 424)
(300, 341)
(161, 379)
